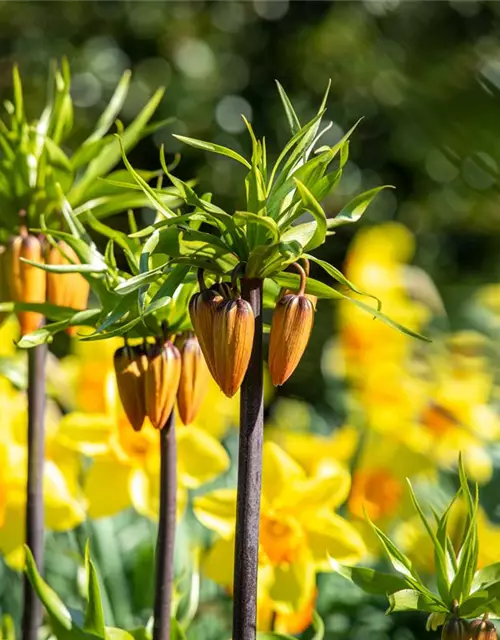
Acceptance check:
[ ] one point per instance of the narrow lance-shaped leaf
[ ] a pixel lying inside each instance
(94, 615)
(353, 211)
(214, 148)
(439, 552)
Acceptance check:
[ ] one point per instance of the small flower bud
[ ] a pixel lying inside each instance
(233, 332)
(4, 285)
(26, 283)
(291, 327)
(202, 311)
(161, 382)
(193, 383)
(66, 289)
(130, 363)
(483, 629)
(455, 629)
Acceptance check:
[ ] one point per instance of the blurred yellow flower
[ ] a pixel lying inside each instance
(126, 464)
(64, 507)
(298, 529)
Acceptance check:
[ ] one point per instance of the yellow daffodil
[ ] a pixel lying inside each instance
(298, 529)
(64, 508)
(376, 263)
(125, 468)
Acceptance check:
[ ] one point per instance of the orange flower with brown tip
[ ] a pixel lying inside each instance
(291, 327)
(233, 332)
(161, 381)
(4, 285)
(130, 367)
(193, 383)
(202, 311)
(483, 629)
(26, 283)
(66, 289)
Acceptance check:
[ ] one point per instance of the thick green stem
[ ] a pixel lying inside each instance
(166, 532)
(246, 558)
(37, 356)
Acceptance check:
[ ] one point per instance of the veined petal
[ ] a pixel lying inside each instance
(218, 564)
(200, 457)
(87, 433)
(279, 470)
(329, 534)
(293, 585)
(106, 487)
(217, 511)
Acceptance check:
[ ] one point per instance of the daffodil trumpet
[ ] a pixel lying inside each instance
(249, 474)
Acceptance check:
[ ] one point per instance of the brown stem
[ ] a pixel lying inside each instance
(303, 278)
(166, 531)
(249, 478)
(32, 613)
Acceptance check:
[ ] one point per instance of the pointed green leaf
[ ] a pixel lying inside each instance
(94, 615)
(316, 210)
(439, 552)
(353, 211)
(339, 277)
(370, 580)
(58, 613)
(111, 112)
(292, 118)
(245, 217)
(214, 148)
(411, 600)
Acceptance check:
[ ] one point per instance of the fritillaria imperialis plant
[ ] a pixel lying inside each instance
(242, 259)
(38, 180)
(463, 590)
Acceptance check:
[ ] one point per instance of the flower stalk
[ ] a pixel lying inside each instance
(249, 477)
(166, 531)
(32, 612)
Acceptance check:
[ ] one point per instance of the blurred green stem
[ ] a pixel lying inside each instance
(32, 613)
(166, 532)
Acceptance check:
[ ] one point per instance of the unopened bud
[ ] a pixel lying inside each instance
(455, 629)
(66, 289)
(193, 383)
(291, 327)
(130, 363)
(202, 308)
(483, 629)
(26, 283)
(233, 332)
(161, 382)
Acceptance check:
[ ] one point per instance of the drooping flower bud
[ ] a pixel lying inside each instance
(4, 285)
(483, 629)
(455, 628)
(202, 310)
(130, 368)
(193, 383)
(291, 327)
(233, 332)
(26, 283)
(66, 289)
(161, 382)
(285, 292)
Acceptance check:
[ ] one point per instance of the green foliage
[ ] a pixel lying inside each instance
(463, 590)
(36, 174)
